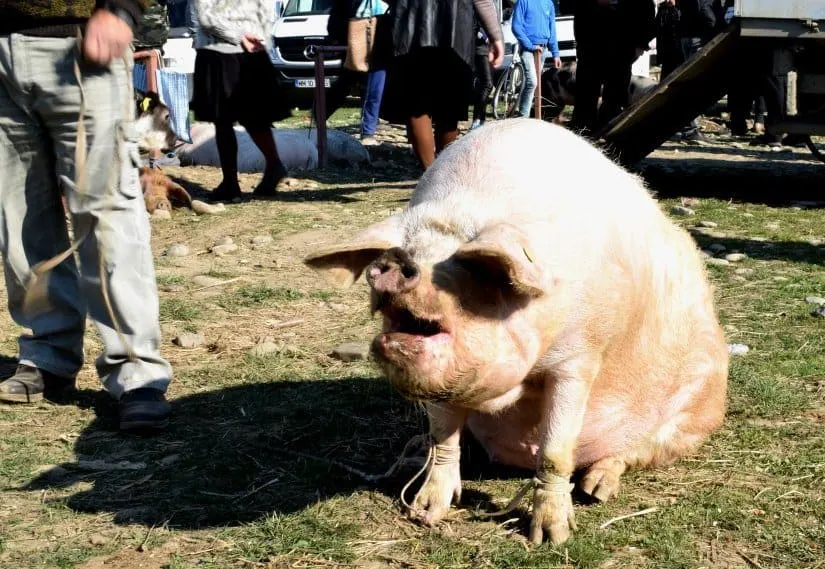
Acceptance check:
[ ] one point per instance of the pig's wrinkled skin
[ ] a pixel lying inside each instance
(558, 315)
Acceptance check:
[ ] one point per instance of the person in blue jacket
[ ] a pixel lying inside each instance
(534, 25)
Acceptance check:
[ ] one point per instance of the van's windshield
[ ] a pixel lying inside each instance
(304, 7)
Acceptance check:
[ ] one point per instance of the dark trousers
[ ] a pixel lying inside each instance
(754, 79)
(681, 50)
(484, 84)
(605, 74)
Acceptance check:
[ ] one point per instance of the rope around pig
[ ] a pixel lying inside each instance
(438, 455)
(35, 300)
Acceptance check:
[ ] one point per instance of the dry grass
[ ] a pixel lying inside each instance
(224, 486)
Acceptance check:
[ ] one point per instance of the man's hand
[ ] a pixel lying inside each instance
(557, 62)
(538, 49)
(107, 37)
(252, 44)
(496, 55)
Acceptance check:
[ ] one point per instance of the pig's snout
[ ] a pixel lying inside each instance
(393, 272)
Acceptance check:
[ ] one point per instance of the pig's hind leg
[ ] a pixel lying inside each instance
(601, 479)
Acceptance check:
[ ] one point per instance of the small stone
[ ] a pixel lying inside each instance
(708, 224)
(189, 340)
(681, 210)
(97, 540)
(261, 239)
(818, 312)
(738, 349)
(744, 271)
(177, 250)
(205, 280)
(162, 214)
(747, 214)
(720, 262)
(780, 279)
(736, 257)
(815, 242)
(814, 300)
(172, 288)
(351, 352)
(691, 202)
(717, 247)
(264, 348)
(773, 225)
(224, 250)
(337, 307)
(167, 460)
(224, 241)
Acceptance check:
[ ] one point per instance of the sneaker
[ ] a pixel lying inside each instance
(226, 193)
(369, 140)
(144, 409)
(30, 385)
(475, 125)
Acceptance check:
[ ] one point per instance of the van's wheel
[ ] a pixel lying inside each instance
(508, 92)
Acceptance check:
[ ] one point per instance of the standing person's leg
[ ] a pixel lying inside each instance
(227, 144)
(32, 230)
(372, 104)
(484, 82)
(116, 265)
(422, 138)
(690, 47)
(257, 105)
(617, 72)
(530, 82)
(446, 132)
(759, 115)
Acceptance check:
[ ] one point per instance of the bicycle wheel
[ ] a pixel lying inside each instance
(514, 90)
(499, 94)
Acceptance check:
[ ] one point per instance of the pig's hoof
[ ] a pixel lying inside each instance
(434, 499)
(553, 515)
(602, 479)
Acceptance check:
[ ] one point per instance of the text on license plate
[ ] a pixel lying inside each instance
(309, 83)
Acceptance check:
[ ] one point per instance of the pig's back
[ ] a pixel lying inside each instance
(524, 170)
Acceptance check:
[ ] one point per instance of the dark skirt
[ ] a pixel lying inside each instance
(237, 87)
(430, 81)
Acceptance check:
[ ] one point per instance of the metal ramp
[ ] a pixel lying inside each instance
(691, 89)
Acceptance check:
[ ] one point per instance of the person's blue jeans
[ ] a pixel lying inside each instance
(531, 80)
(372, 101)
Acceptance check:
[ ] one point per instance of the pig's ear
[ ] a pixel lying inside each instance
(502, 254)
(343, 263)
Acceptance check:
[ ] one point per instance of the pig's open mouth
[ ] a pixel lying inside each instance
(401, 324)
(405, 322)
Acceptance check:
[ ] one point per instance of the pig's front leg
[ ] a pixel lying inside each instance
(443, 485)
(565, 399)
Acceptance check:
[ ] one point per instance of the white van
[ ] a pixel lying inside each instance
(302, 23)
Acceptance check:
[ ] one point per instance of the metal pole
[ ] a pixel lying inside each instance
(320, 108)
(537, 103)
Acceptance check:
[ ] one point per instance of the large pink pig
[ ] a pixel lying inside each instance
(534, 293)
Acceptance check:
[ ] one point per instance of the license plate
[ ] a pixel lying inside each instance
(309, 83)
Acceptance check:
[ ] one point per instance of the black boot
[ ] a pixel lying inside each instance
(144, 409)
(30, 385)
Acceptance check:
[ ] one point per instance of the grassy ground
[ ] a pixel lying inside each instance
(231, 484)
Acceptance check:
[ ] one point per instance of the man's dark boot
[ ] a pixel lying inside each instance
(30, 385)
(144, 409)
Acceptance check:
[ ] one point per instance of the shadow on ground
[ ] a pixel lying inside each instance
(794, 251)
(775, 183)
(234, 455)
